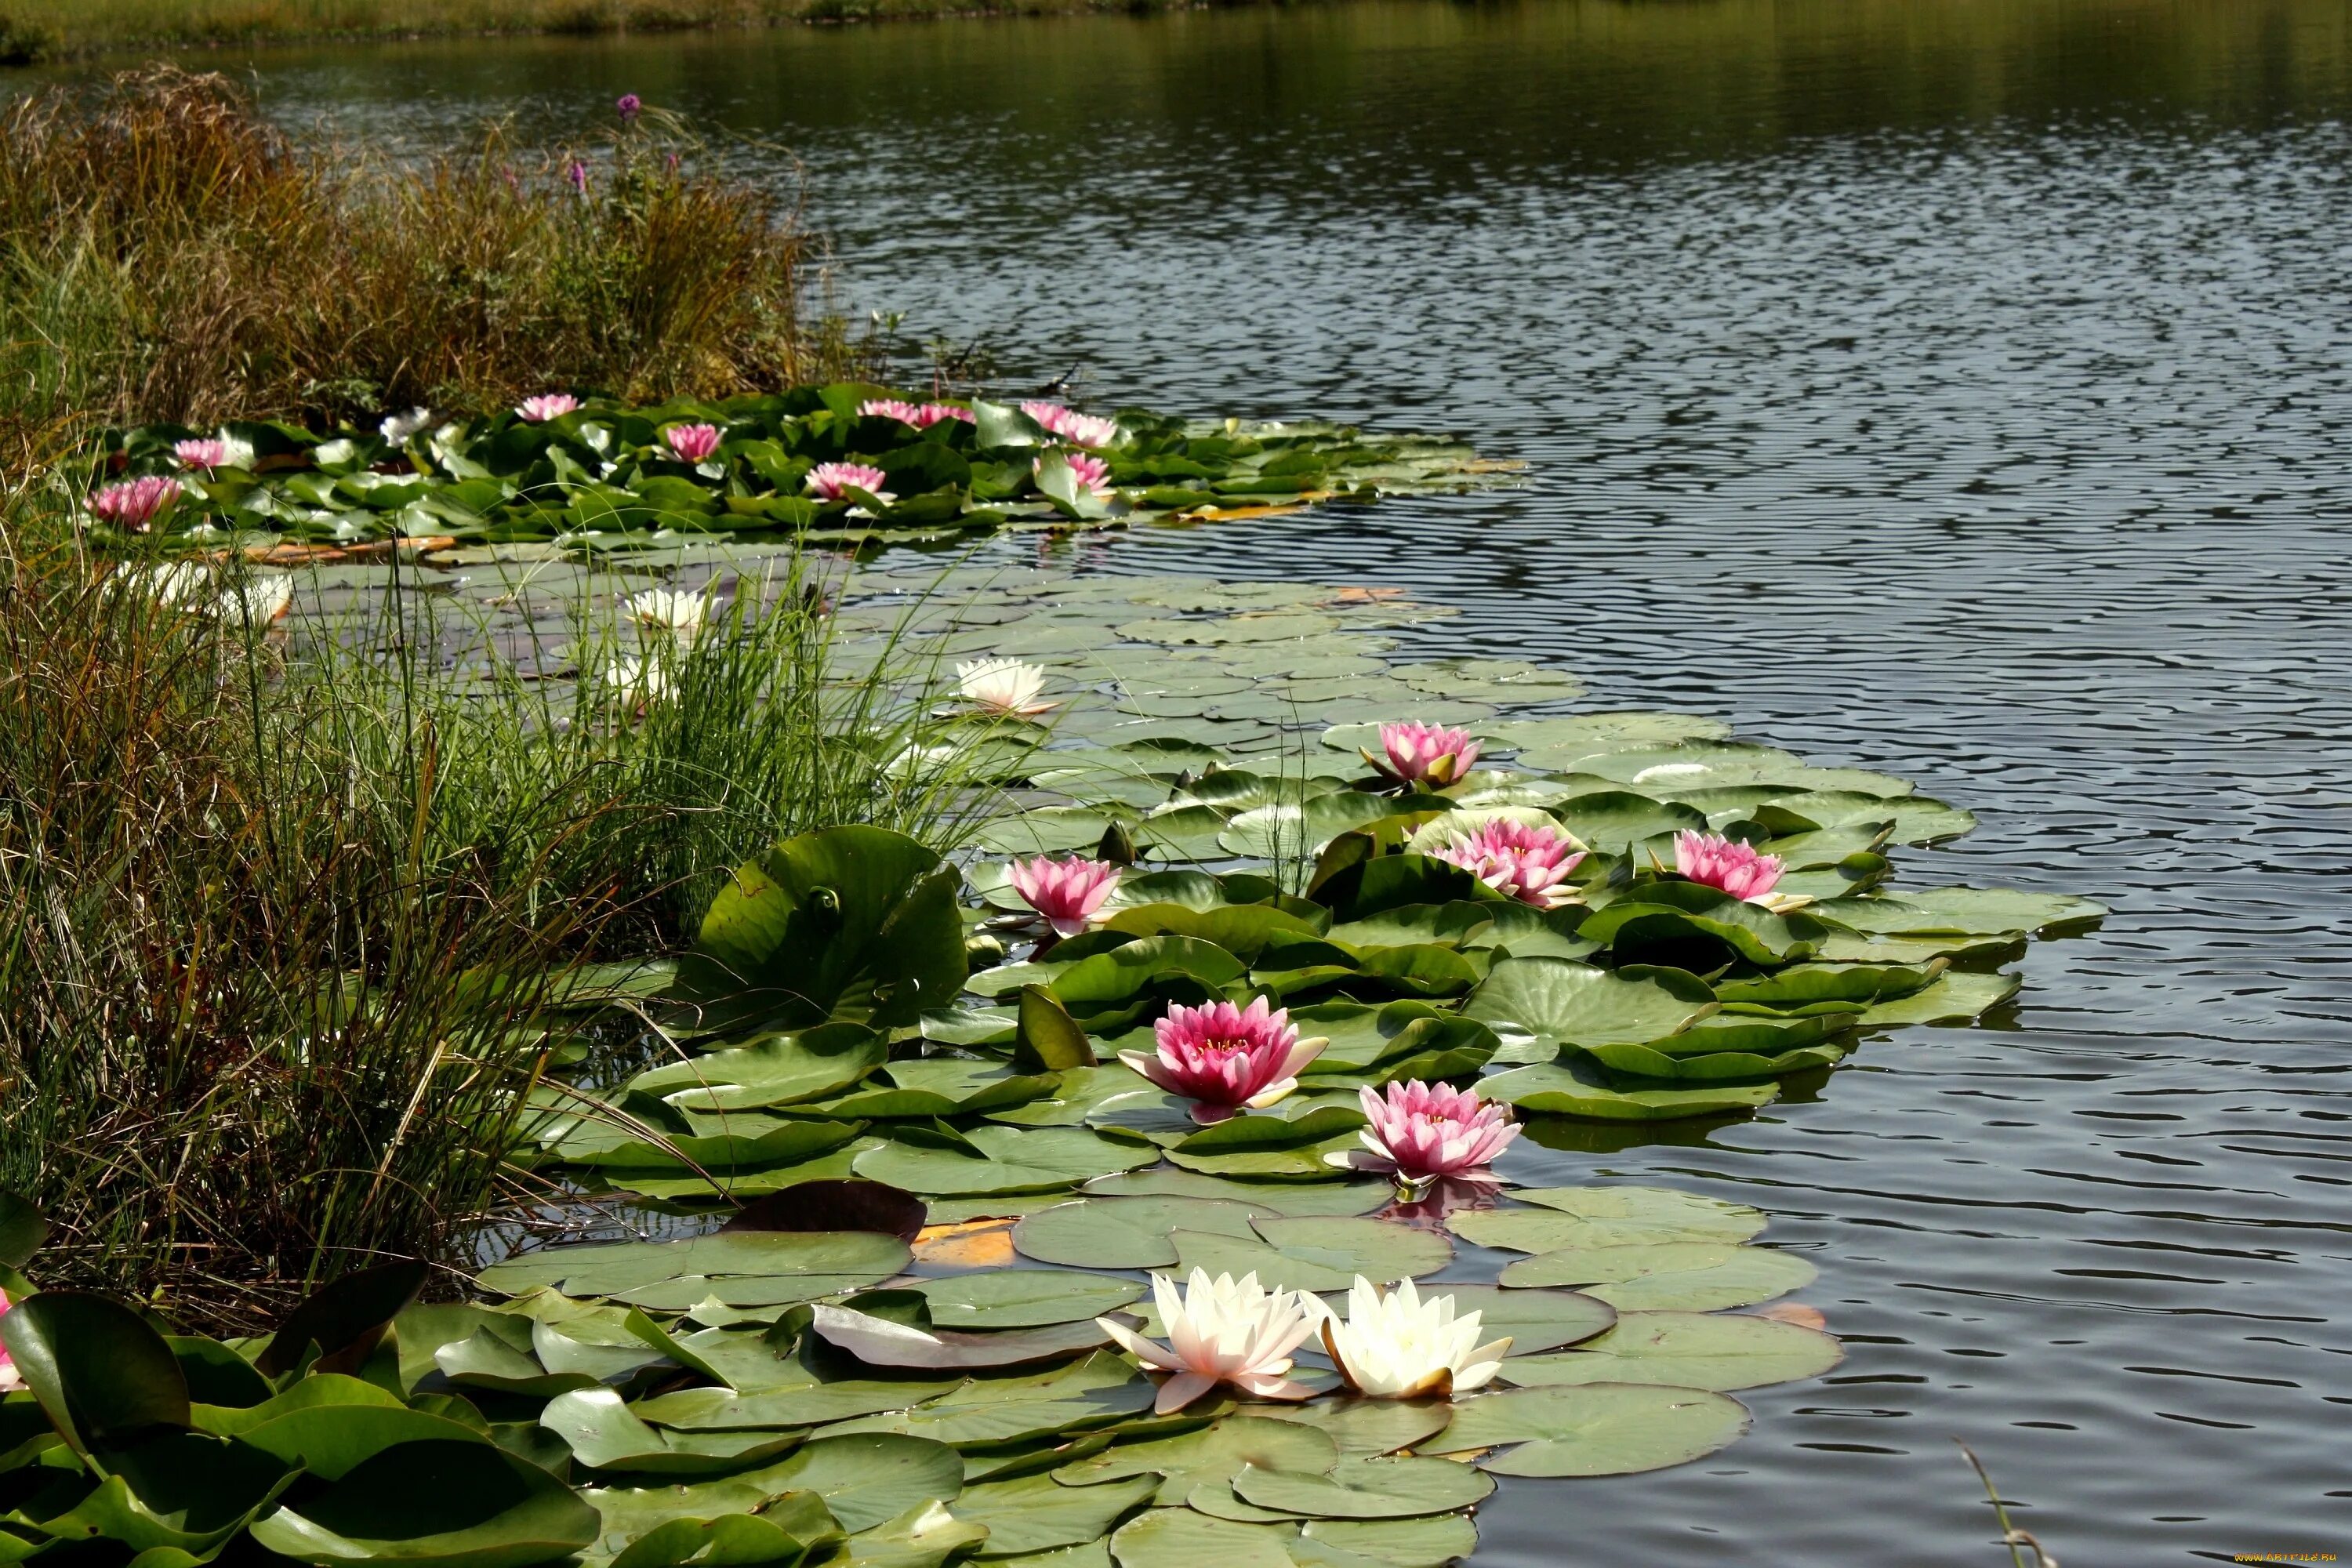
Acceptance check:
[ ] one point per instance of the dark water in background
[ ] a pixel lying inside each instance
(1958, 389)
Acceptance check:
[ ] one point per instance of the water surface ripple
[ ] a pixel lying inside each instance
(1959, 391)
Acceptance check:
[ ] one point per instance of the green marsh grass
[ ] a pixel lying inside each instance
(284, 911)
(166, 254)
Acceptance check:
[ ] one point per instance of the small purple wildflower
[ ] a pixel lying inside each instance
(628, 105)
(578, 176)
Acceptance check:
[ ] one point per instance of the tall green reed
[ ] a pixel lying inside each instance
(285, 912)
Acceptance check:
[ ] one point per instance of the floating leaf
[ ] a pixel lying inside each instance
(1366, 1488)
(1602, 1430)
(1004, 1160)
(1541, 1230)
(1128, 1232)
(1024, 1298)
(453, 1505)
(1558, 999)
(1316, 1254)
(1686, 1350)
(880, 1342)
(1577, 1089)
(774, 1069)
(823, 1263)
(1687, 1275)
(1034, 1513)
(1214, 1453)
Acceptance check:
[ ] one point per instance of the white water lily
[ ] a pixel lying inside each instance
(673, 610)
(1004, 686)
(639, 680)
(399, 429)
(259, 600)
(1221, 1330)
(1399, 1346)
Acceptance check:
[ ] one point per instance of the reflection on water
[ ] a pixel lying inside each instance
(1958, 389)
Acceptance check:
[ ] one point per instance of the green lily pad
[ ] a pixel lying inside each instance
(1316, 1254)
(1128, 1232)
(1722, 1351)
(1004, 1160)
(1559, 999)
(1576, 1088)
(821, 1263)
(1601, 1430)
(603, 1434)
(1663, 1207)
(1024, 1298)
(1036, 1513)
(1682, 1276)
(1280, 1197)
(1182, 1538)
(857, 923)
(1366, 1488)
(1367, 1428)
(1950, 998)
(776, 1070)
(450, 1504)
(1214, 1453)
(1431, 1542)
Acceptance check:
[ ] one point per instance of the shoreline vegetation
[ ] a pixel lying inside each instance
(100, 27)
(165, 254)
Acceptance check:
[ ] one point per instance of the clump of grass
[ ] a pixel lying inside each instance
(167, 254)
(285, 915)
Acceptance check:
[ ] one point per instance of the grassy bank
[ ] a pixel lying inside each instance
(288, 903)
(30, 35)
(165, 254)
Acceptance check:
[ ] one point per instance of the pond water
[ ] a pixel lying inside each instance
(1956, 389)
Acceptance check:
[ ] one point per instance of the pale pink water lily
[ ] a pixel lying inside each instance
(1528, 861)
(1424, 1130)
(1005, 687)
(1419, 753)
(1092, 473)
(547, 406)
(1735, 868)
(1222, 1057)
(1401, 1346)
(676, 611)
(221, 451)
(1221, 1330)
(831, 481)
(897, 408)
(930, 413)
(11, 1379)
(691, 443)
(1085, 430)
(134, 504)
(1067, 893)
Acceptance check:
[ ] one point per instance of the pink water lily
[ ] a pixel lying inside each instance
(548, 405)
(203, 453)
(1725, 863)
(930, 413)
(1221, 1330)
(1222, 1056)
(1419, 753)
(10, 1378)
(1085, 430)
(134, 504)
(1528, 861)
(691, 443)
(1093, 474)
(831, 481)
(1067, 893)
(1423, 1130)
(890, 408)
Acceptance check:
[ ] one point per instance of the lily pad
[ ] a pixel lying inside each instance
(1024, 1298)
(1722, 1351)
(1004, 1160)
(1683, 1275)
(449, 1504)
(775, 1069)
(1366, 1488)
(1559, 999)
(1128, 1232)
(1316, 1254)
(1214, 1453)
(821, 1263)
(1558, 1089)
(1605, 1429)
(1543, 1230)
(1036, 1513)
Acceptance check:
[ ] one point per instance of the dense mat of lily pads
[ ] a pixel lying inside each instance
(1123, 1192)
(839, 464)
